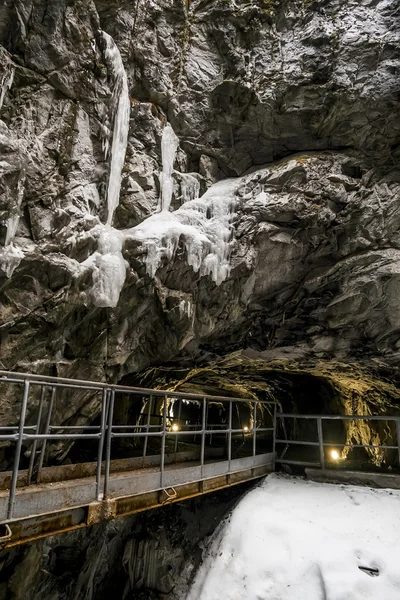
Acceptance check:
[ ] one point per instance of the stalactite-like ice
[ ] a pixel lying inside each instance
(202, 226)
(10, 255)
(120, 108)
(190, 187)
(108, 267)
(6, 82)
(107, 263)
(169, 146)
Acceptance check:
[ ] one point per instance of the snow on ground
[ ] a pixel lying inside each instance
(292, 539)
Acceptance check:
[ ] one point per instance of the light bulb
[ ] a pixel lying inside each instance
(335, 455)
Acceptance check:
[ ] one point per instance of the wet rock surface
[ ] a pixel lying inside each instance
(149, 556)
(298, 99)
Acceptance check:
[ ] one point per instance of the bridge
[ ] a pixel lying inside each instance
(162, 447)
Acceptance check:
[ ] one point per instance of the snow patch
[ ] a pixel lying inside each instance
(291, 539)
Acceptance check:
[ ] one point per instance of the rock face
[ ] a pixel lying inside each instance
(299, 99)
(143, 557)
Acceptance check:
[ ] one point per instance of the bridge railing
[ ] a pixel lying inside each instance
(161, 422)
(334, 445)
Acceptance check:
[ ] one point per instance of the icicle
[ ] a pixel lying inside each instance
(169, 146)
(202, 226)
(10, 255)
(190, 187)
(6, 82)
(108, 268)
(120, 108)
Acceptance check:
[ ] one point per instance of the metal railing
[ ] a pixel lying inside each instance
(36, 428)
(234, 426)
(322, 444)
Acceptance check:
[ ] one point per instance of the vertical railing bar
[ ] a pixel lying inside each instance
(274, 433)
(46, 431)
(321, 443)
(398, 438)
(164, 433)
(35, 442)
(203, 436)
(179, 420)
(254, 428)
(108, 442)
(13, 487)
(147, 428)
(230, 437)
(104, 407)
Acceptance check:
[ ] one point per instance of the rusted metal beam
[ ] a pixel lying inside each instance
(34, 528)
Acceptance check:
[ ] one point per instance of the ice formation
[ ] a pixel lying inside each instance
(120, 108)
(190, 187)
(291, 539)
(169, 146)
(6, 82)
(11, 255)
(202, 226)
(107, 263)
(108, 267)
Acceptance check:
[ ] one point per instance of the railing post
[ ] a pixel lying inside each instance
(37, 430)
(164, 433)
(254, 428)
(179, 420)
(18, 447)
(147, 428)
(46, 431)
(230, 437)
(203, 435)
(104, 406)
(274, 432)
(108, 442)
(398, 438)
(321, 443)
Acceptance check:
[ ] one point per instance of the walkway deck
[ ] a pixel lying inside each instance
(40, 510)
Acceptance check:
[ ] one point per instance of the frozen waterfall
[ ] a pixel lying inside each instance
(10, 255)
(120, 108)
(202, 225)
(107, 263)
(169, 146)
(6, 82)
(108, 267)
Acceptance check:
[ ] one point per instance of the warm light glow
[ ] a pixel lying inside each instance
(175, 427)
(245, 428)
(335, 455)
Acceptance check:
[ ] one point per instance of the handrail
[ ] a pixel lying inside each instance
(16, 377)
(321, 444)
(106, 432)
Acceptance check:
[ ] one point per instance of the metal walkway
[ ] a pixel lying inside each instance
(179, 446)
(182, 445)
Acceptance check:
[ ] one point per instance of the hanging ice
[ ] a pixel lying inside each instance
(6, 82)
(120, 108)
(190, 187)
(202, 226)
(10, 255)
(107, 263)
(169, 146)
(108, 267)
